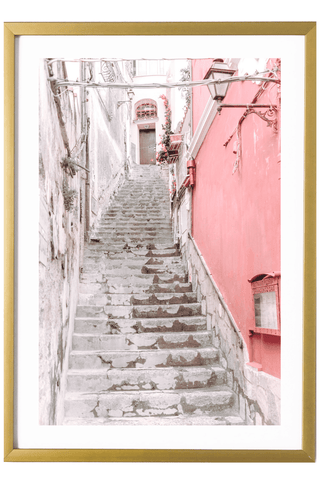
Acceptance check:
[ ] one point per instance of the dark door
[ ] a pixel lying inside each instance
(147, 147)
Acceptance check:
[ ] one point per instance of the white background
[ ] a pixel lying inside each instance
(188, 11)
(286, 436)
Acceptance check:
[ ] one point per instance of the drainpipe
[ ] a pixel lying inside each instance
(191, 127)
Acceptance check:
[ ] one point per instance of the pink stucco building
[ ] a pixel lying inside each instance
(228, 221)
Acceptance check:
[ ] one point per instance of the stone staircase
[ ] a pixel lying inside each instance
(141, 353)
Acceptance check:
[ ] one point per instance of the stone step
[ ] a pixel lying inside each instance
(121, 223)
(203, 402)
(137, 237)
(136, 299)
(150, 203)
(113, 251)
(137, 216)
(129, 258)
(146, 232)
(142, 240)
(142, 197)
(107, 268)
(138, 311)
(149, 212)
(136, 221)
(141, 341)
(156, 311)
(139, 279)
(139, 325)
(101, 288)
(179, 420)
(174, 357)
(130, 379)
(127, 229)
(135, 261)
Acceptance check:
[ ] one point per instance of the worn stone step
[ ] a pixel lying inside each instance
(101, 288)
(150, 204)
(136, 261)
(140, 279)
(136, 299)
(153, 246)
(145, 216)
(121, 222)
(130, 379)
(142, 196)
(179, 420)
(138, 311)
(141, 341)
(134, 233)
(203, 402)
(174, 357)
(119, 251)
(126, 229)
(107, 268)
(133, 224)
(156, 311)
(137, 238)
(142, 240)
(139, 325)
(129, 258)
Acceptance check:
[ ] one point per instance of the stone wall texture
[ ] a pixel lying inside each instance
(62, 215)
(258, 392)
(59, 244)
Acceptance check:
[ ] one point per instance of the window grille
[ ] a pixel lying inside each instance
(107, 72)
(266, 303)
(146, 110)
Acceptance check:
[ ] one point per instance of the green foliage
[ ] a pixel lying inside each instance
(185, 91)
(69, 167)
(69, 196)
(162, 154)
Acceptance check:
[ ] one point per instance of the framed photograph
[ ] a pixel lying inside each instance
(160, 242)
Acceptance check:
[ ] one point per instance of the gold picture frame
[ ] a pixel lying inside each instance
(307, 453)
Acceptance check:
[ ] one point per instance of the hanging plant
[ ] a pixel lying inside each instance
(173, 187)
(162, 155)
(185, 91)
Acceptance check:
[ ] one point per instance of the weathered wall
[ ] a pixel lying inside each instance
(109, 147)
(258, 392)
(236, 217)
(62, 230)
(59, 247)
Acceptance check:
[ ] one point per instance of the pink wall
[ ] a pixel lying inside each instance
(236, 217)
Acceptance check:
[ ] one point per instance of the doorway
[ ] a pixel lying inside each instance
(147, 142)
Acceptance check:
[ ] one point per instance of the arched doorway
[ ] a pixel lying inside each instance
(146, 112)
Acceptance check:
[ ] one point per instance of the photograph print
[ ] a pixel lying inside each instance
(159, 241)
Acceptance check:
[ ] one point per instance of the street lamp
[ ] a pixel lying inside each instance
(130, 94)
(218, 71)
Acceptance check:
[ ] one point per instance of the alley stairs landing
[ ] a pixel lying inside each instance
(141, 352)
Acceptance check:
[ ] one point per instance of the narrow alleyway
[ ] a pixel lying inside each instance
(141, 353)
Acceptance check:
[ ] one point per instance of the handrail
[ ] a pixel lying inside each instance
(234, 325)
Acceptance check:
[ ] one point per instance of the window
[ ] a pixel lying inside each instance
(149, 67)
(146, 109)
(266, 303)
